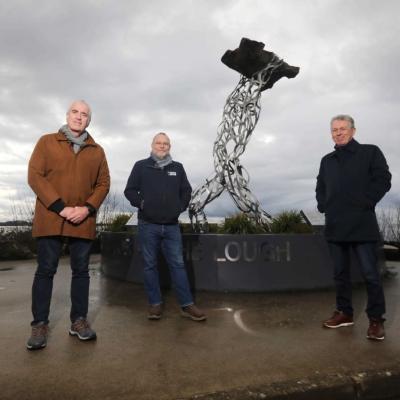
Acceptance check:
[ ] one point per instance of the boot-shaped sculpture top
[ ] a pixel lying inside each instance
(250, 58)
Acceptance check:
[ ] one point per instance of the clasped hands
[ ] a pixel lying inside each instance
(75, 214)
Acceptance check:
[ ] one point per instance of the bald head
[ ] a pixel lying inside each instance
(161, 145)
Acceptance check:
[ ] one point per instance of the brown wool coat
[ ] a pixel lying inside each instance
(56, 172)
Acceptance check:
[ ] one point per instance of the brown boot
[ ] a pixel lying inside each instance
(376, 331)
(192, 312)
(38, 339)
(82, 329)
(155, 311)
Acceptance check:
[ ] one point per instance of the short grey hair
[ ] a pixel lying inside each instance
(162, 134)
(344, 117)
(87, 105)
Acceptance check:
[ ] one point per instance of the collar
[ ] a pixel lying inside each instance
(352, 146)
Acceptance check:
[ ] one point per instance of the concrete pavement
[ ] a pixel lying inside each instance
(253, 346)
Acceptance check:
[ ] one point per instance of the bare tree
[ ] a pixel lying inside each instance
(113, 207)
(22, 210)
(389, 223)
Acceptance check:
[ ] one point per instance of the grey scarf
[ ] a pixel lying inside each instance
(77, 142)
(161, 162)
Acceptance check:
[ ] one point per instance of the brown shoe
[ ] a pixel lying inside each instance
(338, 320)
(376, 331)
(193, 313)
(155, 311)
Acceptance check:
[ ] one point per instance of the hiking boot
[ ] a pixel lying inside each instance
(338, 320)
(154, 312)
(82, 329)
(193, 313)
(376, 331)
(38, 339)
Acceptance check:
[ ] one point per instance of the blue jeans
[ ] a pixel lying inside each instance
(367, 255)
(48, 255)
(152, 238)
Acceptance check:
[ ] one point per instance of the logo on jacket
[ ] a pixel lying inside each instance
(171, 173)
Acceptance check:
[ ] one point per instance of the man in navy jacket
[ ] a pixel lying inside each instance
(159, 188)
(351, 181)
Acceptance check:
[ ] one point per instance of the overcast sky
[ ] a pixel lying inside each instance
(150, 66)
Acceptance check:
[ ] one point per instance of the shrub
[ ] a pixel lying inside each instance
(241, 223)
(289, 222)
(118, 223)
(17, 245)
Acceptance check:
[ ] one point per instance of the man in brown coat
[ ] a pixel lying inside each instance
(69, 174)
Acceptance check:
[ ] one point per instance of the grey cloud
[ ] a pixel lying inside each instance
(150, 66)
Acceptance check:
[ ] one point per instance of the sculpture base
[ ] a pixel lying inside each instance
(254, 263)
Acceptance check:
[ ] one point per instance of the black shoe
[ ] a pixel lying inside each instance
(38, 339)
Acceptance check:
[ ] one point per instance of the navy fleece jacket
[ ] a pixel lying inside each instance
(159, 194)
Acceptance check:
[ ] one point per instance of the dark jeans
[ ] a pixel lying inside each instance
(367, 254)
(48, 255)
(152, 239)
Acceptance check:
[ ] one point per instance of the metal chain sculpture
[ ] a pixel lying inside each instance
(260, 69)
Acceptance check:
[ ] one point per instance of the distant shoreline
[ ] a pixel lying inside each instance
(15, 223)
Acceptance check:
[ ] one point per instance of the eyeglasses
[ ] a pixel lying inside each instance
(341, 130)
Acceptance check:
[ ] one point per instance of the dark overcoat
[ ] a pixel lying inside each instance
(56, 172)
(351, 181)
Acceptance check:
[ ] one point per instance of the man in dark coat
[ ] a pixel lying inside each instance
(159, 188)
(351, 181)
